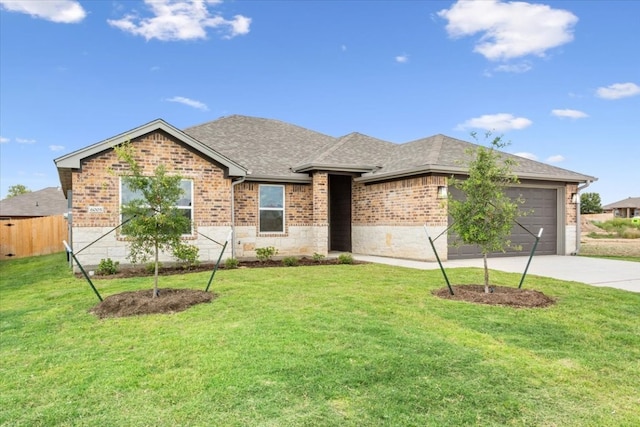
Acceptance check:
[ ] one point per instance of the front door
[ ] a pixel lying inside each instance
(340, 213)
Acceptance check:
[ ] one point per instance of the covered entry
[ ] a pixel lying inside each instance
(541, 206)
(340, 213)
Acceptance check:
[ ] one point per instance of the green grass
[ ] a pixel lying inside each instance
(342, 345)
(623, 228)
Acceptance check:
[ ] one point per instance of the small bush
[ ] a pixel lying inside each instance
(265, 254)
(107, 267)
(151, 267)
(231, 263)
(187, 255)
(317, 257)
(345, 259)
(290, 261)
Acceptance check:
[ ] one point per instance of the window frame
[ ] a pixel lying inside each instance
(272, 209)
(179, 207)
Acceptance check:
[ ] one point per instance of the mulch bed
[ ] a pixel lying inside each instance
(501, 295)
(136, 303)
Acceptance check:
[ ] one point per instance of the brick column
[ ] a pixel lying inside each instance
(321, 212)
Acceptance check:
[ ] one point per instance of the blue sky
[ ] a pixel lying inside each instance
(559, 79)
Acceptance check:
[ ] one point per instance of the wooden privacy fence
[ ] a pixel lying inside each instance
(32, 236)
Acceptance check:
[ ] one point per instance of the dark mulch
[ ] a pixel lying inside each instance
(501, 295)
(136, 303)
(141, 271)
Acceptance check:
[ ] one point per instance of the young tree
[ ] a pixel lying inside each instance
(590, 203)
(16, 190)
(486, 215)
(155, 224)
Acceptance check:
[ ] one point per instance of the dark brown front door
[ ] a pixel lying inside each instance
(340, 213)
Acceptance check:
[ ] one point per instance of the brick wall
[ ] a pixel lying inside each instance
(411, 201)
(98, 182)
(298, 204)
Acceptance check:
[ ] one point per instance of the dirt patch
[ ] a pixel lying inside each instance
(136, 303)
(609, 247)
(501, 295)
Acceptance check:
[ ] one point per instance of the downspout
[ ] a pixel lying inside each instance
(578, 219)
(233, 216)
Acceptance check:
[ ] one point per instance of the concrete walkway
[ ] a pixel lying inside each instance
(592, 271)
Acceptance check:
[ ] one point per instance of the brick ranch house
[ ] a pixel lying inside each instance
(303, 192)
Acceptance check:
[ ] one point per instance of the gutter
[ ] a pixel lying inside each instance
(578, 220)
(233, 215)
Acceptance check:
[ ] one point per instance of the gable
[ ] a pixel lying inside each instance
(73, 161)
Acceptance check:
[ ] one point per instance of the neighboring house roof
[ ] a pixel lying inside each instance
(271, 150)
(46, 202)
(630, 202)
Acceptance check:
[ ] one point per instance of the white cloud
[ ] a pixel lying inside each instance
(180, 20)
(526, 155)
(61, 11)
(4, 140)
(496, 122)
(555, 159)
(572, 114)
(56, 147)
(25, 141)
(521, 67)
(511, 29)
(190, 102)
(402, 58)
(618, 90)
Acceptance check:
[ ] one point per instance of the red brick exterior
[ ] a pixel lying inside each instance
(409, 201)
(98, 182)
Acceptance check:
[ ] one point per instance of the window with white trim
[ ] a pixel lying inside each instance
(184, 205)
(271, 208)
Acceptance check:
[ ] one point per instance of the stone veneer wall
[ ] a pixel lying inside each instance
(300, 236)
(97, 184)
(389, 218)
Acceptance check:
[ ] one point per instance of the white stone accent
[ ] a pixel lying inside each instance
(110, 246)
(299, 241)
(397, 241)
(570, 239)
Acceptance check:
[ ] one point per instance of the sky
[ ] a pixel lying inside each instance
(558, 80)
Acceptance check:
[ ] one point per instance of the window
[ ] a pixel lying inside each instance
(184, 206)
(271, 207)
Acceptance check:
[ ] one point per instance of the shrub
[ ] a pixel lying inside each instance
(317, 257)
(107, 267)
(151, 267)
(345, 259)
(290, 261)
(231, 263)
(187, 255)
(265, 254)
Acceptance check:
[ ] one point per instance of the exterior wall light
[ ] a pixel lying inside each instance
(442, 192)
(574, 198)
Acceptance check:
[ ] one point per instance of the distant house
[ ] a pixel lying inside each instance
(49, 201)
(304, 192)
(627, 208)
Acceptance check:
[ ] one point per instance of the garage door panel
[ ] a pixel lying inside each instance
(541, 211)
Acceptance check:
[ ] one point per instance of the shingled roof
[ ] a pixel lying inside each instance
(46, 202)
(271, 149)
(630, 202)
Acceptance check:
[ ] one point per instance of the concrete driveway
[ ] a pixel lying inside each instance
(592, 271)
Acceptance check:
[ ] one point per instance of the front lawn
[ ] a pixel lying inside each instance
(341, 345)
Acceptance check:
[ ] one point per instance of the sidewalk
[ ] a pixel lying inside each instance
(592, 271)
